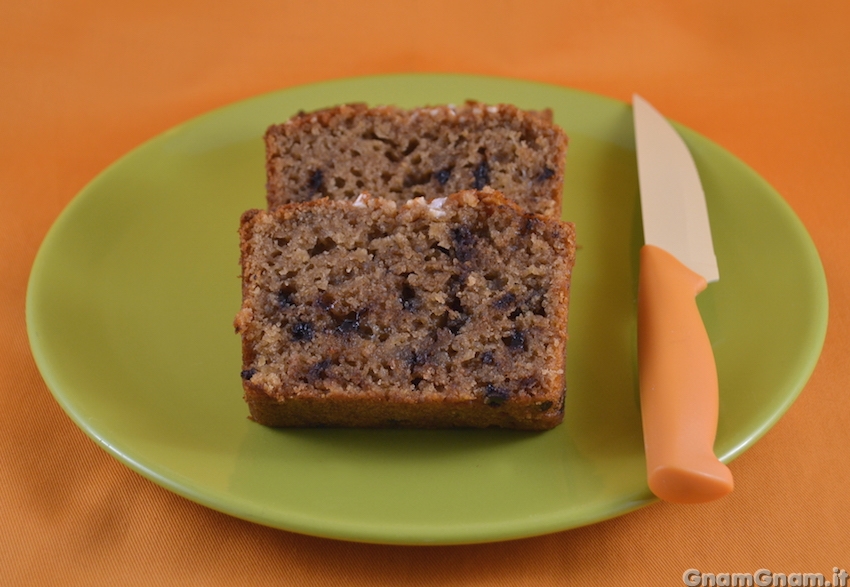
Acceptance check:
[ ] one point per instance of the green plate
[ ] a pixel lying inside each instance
(132, 296)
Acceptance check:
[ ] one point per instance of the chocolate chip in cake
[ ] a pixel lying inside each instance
(246, 374)
(505, 302)
(464, 241)
(495, 396)
(284, 297)
(528, 383)
(316, 182)
(547, 173)
(530, 225)
(481, 175)
(515, 340)
(351, 322)
(443, 175)
(302, 332)
(318, 370)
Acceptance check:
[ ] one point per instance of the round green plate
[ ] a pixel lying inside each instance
(133, 293)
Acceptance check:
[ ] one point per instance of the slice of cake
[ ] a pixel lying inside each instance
(425, 152)
(370, 313)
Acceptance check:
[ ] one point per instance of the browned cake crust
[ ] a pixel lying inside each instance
(425, 152)
(372, 314)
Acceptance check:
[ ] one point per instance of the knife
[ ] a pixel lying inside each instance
(677, 372)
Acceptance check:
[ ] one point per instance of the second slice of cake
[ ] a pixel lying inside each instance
(373, 313)
(427, 152)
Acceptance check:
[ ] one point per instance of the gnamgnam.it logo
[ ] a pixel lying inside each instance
(764, 578)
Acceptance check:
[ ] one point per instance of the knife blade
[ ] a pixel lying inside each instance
(677, 371)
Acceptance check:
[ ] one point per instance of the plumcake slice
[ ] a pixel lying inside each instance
(369, 313)
(429, 152)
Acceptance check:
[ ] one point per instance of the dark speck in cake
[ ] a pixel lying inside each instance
(528, 383)
(455, 324)
(350, 322)
(505, 302)
(302, 331)
(419, 358)
(547, 173)
(316, 181)
(284, 297)
(487, 358)
(464, 242)
(246, 374)
(495, 396)
(443, 175)
(531, 224)
(317, 371)
(481, 175)
(515, 340)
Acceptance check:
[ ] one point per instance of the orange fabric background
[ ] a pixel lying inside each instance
(82, 83)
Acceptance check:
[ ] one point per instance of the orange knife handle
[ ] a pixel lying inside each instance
(678, 383)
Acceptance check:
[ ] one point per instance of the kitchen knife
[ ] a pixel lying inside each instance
(677, 373)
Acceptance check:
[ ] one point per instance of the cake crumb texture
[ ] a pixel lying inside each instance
(380, 314)
(428, 152)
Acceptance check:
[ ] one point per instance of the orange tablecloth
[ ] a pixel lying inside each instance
(82, 83)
